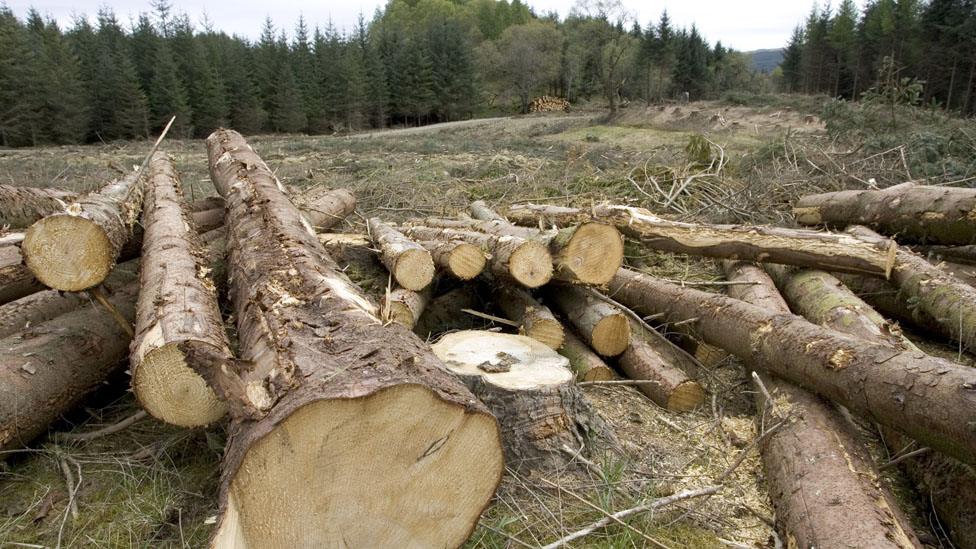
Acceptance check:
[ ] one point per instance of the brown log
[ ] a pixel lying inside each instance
(22, 206)
(526, 262)
(446, 312)
(946, 300)
(327, 209)
(49, 368)
(76, 249)
(179, 330)
(587, 365)
(357, 411)
(931, 399)
(604, 327)
(804, 248)
(535, 319)
(530, 389)
(917, 213)
(410, 264)
(644, 360)
(457, 258)
(16, 280)
(820, 474)
(957, 254)
(404, 306)
(207, 203)
(207, 220)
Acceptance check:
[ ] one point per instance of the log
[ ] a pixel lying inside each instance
(457, 258)
(804, 248)
(957, 254)
(10, 239)
(179, 333)
(671, 389)
(404, 306)
(587, 365)
(529, 388)
(604, 327)
(50, 367)
(526, 262)
(588, 253)
(535, 319)
(328, 209)
(22, 206)
(355, 411)
(819, 472)
(916, 213)
(76, 248)
(207, 220)
(410, 264)
(950, 485)
(446, 312)
(946, 300)
(207, 203)
(931, 399)
(16, 280)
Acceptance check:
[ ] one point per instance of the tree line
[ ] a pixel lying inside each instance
(415, 62)
(925, 50)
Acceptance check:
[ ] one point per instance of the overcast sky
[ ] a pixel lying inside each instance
(742, 24)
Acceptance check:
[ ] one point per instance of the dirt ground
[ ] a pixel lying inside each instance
(155, 486)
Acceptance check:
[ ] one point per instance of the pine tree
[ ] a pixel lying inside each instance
(303, 65)
(168, 97)
(287, 110)
(15, 69)
(60, 101)
(205, 91)
(247, 114)
(792, 61)
(453, 75)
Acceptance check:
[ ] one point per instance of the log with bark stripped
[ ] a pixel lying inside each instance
(587, 365)
(76, 249)
(527, 262)
(535, 320)
(325, 210)
(357, 411)
(604, 327)
(820, 474)
(932, 399)
(919, 213)
(805, 248)
(410, 263)
(22, 206)
(180, 339)
(457, 258)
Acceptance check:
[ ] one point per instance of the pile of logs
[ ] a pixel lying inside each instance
(335, 395)
(548, 103)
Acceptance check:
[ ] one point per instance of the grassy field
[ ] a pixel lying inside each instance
(155, 486)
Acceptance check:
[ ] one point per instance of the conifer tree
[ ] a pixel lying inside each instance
(287, 110)
(168, 97)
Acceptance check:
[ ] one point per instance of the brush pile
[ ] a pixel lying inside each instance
(346, 425)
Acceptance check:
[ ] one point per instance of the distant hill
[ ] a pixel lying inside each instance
(766, 60)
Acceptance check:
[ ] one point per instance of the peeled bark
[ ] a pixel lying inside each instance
(821, 477)
(76, 249)
(327, 210)
(49, 368)
(354, 411)
(671, 389)
(946, 300)
(804, 248)
(919, 213)
(16, 280)
(589, 253)
(530, 389)
(404, 306)
(535, 319)
(587, 365)
(22, 206)
(526, 262)
(931, 399)
(605, 327)
(180, 338)
(408, 262)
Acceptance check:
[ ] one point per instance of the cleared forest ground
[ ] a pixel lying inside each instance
(154, 485)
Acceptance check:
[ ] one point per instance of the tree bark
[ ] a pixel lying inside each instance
(22, 206)
(76, 249)
(180, 339)
(327, 210)
(527, 262)
(945, 299)
(530, 389)
(957, 254)
(535, 319)
(950, 485)
(917, 213)
(444, 312)
(587, 365)
(207, 203)
(207, 220)
(405, 306)
(671, 389)
(351, 405)
(604, 327)
(16, 280)
(804, 248)
(932, 399)
(821, 476)
(410, 264)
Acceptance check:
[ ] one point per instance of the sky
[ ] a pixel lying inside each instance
(741, 24)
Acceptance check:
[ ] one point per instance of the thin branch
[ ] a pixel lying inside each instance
(115, 428)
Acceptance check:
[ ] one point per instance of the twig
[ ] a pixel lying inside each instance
(711, 282)
(619, 382)
(115, 428)
(764, 390)
(650, 506)
(900, 459)
(70, 482)
(492, 318)
(72, 507)
(99, 296)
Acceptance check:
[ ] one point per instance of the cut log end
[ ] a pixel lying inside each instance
(397, 471)
(686, 397)
(611, 335)
(507, 361)
(593, 254)
(466, 261)
(171, 391)
(531, 264)
(68, 253)
(547, 331)
(414, 269)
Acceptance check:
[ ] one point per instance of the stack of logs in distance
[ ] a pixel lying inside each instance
(410, 392)
(548, 103)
